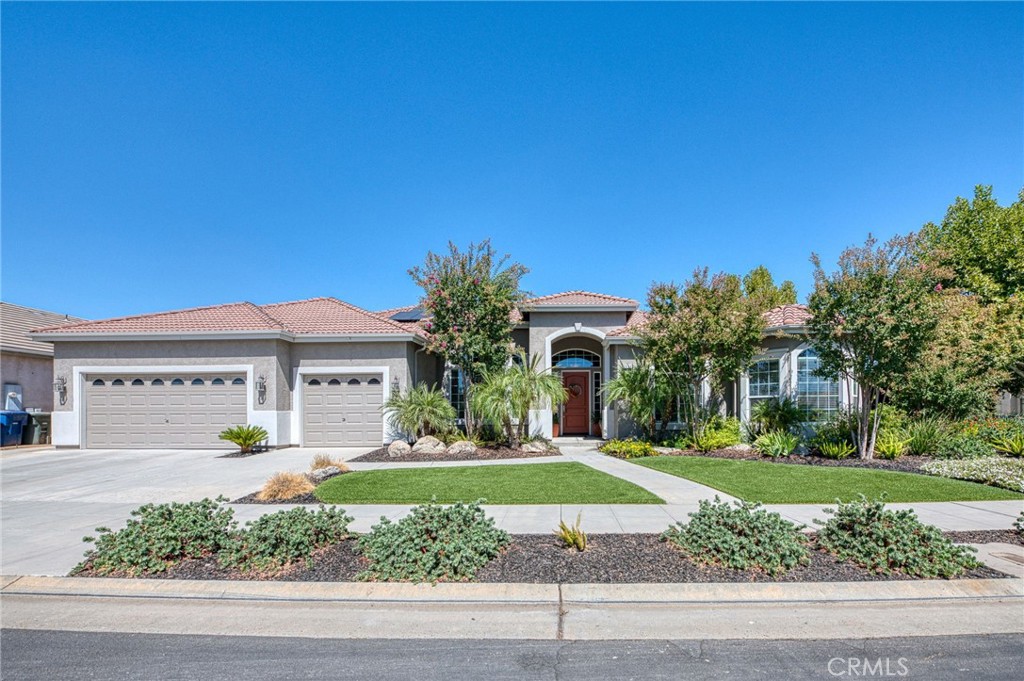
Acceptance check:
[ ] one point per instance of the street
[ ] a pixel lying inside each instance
(54, 655)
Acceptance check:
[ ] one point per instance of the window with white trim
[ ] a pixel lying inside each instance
(457, 392)
(576, 359)
(817, 396)
(763, 379)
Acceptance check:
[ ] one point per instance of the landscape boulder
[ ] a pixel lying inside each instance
(462, 447)
(399, 448)
(428, 445)
(535, 447)
(321, 474)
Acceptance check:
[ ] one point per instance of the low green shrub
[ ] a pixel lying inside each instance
(572, 536)
(839, 427)
(741, 536)
(628, 449)
(997, 427)
(775, 413)
(159, 536)
(246, 437)
(720, 433)
(1012, 444)
(777, 443)
(1018, 524)
(891, 445)
(998, 471)
(277, 540)
(964, 447)
(836, 450)
(887, 541)
(431, 544)
(926, 435)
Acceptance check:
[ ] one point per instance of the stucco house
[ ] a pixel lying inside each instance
(26, 364)
(316, 372)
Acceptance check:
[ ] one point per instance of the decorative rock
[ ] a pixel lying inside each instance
(321, 474)
(399, 448)
(462, 447)
(534, 447)
(741, 447)
(428, 445)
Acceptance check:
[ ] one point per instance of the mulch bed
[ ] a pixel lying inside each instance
(904, 464)
(542, 559)
(486, 453)
(987, 537)
(308, 498)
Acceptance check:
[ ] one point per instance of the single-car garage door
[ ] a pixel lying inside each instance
(162, 411)
(342, 411)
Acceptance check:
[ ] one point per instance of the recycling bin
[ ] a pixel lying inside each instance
(12, 423)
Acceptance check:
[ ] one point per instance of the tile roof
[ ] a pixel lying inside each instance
(580, 298)
(326, 316)
(636, 321)
(16, 321)
(787, 315)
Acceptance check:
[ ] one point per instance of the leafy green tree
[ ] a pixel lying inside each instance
(759, 285)
(872, 320)
(506, 396)
(704, 333)
(982, 244)
(470, 297)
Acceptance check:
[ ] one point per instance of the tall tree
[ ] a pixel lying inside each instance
(703, 333)
(470, 297)
(759, 286)
(982, 244)
(872, 319)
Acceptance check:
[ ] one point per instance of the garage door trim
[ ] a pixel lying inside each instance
(80, 374)
(298, 399)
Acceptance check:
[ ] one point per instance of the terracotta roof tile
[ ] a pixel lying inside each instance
(332, 316)
(636, 321)
(581, 298)
(787, 315)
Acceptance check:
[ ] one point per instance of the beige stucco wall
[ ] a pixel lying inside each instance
(397, 356)
(35, 375)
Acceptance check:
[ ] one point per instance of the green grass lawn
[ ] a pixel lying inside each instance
(774, 483)
(545, 483)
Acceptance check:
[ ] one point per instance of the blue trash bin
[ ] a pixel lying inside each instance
(11, 425)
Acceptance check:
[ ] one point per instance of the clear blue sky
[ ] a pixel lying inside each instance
(173, 155)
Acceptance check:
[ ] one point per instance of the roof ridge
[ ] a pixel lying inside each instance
(164, 313)
(266, 315)
(606, 296)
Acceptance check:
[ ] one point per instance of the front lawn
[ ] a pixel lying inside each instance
(547, 483)
(773, 483)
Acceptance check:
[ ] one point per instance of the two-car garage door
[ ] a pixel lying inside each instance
(162, 411)
(342, 411)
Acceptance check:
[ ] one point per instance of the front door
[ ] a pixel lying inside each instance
(576, 414)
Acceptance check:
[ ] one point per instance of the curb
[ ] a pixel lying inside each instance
(512, 594)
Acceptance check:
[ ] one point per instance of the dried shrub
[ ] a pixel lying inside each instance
(284, 486)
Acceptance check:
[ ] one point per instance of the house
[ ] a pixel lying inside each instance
(317, 372)
(26, 364)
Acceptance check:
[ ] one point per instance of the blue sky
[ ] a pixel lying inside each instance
(174, 155)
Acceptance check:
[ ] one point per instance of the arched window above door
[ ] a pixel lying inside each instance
(576, 359)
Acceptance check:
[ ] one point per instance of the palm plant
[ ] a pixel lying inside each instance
(640, 391)
(246, 437)
(775, 413)
(505, 397)
(421, 411)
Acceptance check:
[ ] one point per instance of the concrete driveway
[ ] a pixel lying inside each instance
(52, 498)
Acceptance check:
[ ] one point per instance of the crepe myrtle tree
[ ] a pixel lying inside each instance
(469, 297)
(872, 318)
(703, 333)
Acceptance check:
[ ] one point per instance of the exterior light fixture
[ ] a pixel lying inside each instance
(396, 387)
(261, 389)
(60, 386)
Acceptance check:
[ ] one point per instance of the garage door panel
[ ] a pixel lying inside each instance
(172, 413)
(342, 412)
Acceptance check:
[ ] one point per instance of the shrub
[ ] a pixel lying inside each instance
(283, 486)
(991, 470)
(837, 428)
(718, 434)
(926, 435)
(964, 447)
(246, 437)
(431, 544)
(421, 411)
(888, 541)
(325, 461)
(890, 445)
(836, 450)
(1018, 524)
(628, 449)
(277, 540)
(777, 443)
(996, 427)
(776, 413)
(741, 536)
(1010, 444)
(572, 536)
(160, 536)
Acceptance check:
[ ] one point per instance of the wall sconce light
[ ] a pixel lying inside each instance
(396, 387)
(261, 389)
(60, 386)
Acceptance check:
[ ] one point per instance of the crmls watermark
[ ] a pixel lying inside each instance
(861, 666)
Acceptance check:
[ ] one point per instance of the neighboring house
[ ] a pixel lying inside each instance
(26, 364)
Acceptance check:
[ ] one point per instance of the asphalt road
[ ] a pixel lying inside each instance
(54, 655)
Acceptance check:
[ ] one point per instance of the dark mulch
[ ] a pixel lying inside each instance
(987, 537)
(542, 559)
(486, 453)
(904, 464)
(301, 499)
(633, 558)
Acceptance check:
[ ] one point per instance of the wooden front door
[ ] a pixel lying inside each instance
(576, 413)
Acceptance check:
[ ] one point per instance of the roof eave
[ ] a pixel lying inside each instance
(616, 307)
(56, 336)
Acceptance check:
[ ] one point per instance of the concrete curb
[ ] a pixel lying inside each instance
(790, 592)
